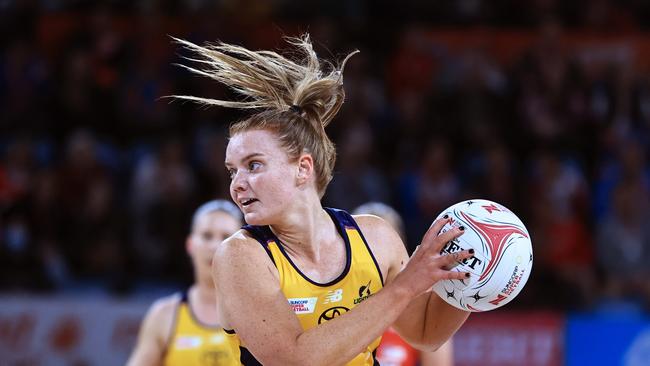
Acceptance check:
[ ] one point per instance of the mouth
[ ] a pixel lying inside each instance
(247, 201)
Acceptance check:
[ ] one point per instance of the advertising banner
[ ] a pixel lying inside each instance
(45, 331)
(608, 340)
(511, 338)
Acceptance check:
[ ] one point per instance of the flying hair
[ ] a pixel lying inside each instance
(268, 80)
(295, 98)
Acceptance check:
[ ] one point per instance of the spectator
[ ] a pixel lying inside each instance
(559, 193)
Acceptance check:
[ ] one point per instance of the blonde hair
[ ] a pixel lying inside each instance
(299, 98)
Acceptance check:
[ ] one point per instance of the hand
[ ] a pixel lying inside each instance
(427, 266)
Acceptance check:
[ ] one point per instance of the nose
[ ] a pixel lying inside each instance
(238, 182)
(212, 247)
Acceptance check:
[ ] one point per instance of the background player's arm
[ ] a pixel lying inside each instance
(427, 322)
(154, 333)
(253, 303)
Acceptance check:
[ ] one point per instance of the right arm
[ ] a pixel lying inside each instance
(154, 333)
(253, 303)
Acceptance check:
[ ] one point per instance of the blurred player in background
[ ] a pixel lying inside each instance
(184, 329)
(393, 350)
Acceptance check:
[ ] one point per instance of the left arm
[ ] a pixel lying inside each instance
(444, 356)
(428, 321)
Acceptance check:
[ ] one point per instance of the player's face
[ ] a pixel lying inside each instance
(209, 231)
(262, 177)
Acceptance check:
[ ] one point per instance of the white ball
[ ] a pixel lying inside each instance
(502, 260)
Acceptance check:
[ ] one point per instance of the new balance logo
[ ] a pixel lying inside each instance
(334, 296)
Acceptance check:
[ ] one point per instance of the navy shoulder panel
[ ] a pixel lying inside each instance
(185, 296)
(344, 218)
(263, 235)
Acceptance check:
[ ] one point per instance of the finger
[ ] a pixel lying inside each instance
(446, 237)
(453, 275)
(415, 254)
(452, 260)
(416, 250)
(435, 228)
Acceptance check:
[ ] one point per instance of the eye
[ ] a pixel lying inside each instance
(254, 165)
(231, 173)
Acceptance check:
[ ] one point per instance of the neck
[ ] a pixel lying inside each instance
(205, 292)
(203, 304)
(304, 230)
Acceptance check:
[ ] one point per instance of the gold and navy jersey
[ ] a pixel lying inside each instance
(196, 344)
(315, 303)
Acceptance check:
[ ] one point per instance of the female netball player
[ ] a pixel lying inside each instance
(302, 284)
(184, 329)
(393, 350)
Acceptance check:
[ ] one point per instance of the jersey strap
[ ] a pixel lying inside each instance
(346, 220)
(263, 235)
(185, 296)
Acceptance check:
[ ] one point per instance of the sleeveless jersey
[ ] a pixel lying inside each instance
(315, 303)
(197, 344)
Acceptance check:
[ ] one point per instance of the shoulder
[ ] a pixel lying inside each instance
(155, 332)
(163, 309)
(384, 242)
(239, 244)
(243, 275)
(377, 230)
(371, 222)
(159, 319)
(240, 252)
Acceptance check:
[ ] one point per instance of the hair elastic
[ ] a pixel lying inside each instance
(296, 108)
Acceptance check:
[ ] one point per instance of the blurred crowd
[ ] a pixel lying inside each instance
(99, 173)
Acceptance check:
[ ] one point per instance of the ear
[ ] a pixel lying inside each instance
(305, 168)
